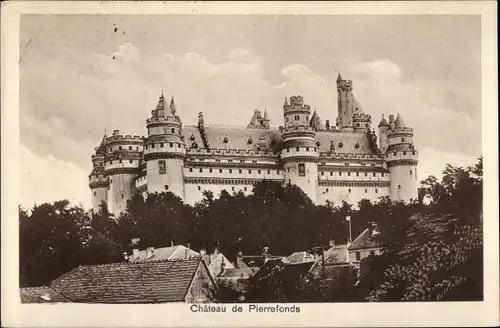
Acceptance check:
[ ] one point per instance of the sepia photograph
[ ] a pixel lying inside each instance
(255, 163)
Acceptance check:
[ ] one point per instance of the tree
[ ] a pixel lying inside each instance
(49, 242)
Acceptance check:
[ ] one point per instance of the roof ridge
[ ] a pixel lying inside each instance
(142, 261)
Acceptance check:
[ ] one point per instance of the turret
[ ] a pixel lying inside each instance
(383, 127)
(164, 150)
(300, 153)
(361, 122)
(98, 182)
(258, 121)
(345, 104)
(123, 153)
(402, 160)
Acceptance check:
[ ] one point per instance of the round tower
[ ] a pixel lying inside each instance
(345, 104)
(164, 150)
(402, 160)
(299, 154)
(122, 160)
(98, 182)
(361, 122)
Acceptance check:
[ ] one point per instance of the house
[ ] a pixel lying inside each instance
(173, 252)
(299, 257)
(43, 294)
(216, 262)
(180, 280)
(256, 260)
(363, 246)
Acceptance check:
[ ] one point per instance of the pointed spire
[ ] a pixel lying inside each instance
(161, 101)
(399, 122)
(286, 102)
(265, 114)
(339, 77)
(383, 122)
(101, 150)
(172, 105)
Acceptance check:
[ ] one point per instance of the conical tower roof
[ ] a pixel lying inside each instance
(316, 122)
(101, 150)
(339, 78)
(172, 106)
(399, 122)
(383, 122)
(161, 102)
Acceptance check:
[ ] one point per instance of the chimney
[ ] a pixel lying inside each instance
(327, 125)
(238, 257)
(135, 253)
(125, 256)
(332, 243)
(203, 252)
(265, 254)
(216, 250)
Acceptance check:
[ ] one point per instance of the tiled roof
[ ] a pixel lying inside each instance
(238, 273)
(240, 263)
(237, 138)
(348, 140)
(214, 263)
(364, 241)
(336, 255)
(139, 282)
(43, 294)
(383, 122)
(257, 260)
(165, 253)
(399, 122)
(299, 257)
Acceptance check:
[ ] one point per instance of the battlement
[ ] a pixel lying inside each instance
(163, 120)
(399, 130)
(298, 128)
(231, 152)
(124, 138)
(361, 117)
(296, 104)
(297, 100)
(343, 156)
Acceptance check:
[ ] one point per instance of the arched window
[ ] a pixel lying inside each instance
(399, 187)
(411, 172)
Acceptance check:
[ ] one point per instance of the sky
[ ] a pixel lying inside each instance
(82, 74)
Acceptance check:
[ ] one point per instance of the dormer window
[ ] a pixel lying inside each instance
(340, 145)
(318, 143)
(250, 141)
(226, 140)
(191, 137)
(194, 145)
(356, 145)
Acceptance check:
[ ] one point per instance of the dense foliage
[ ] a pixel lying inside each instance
(431, 251)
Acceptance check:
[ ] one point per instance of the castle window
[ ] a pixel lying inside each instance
(287, 119)
(220, 170)
(110, 150)
(366, 174)
(120, 161)
(413, 153)
(402, 139)
(201, 170)
(166, 187)
(374, 174)
(411, 172)
(322, 173)
(358, 256)
(349, 190)
(399, 187)
(210, 170)
(394, 153)
(357, 174)
(366, 125)
(162, 145)
(383, 174)
(376, 191)
(302, 169)
(307, 118)
(340, 174)
(161, 167)
(129, 147)
(217, 160)
(289, 170)
(289, 181)
(326, 189)
(349, 174)
(171, 145)
(240, 171)
(230, 171)
(250, 171)
(242, 161)
(357, 125)
(404, 153)
(120, 148)
(245, 188)
(232, 188)
(258, 172)
(123, 196)
(331, 173)
(278, 172)
(230, 160)
(173, 130)
(268, 171)
(137, 148)
(366, 191)
(307, 148)
(94, 193)
(131, 161)
(346, 164)
(152, 145)
(254, 162)
(190, 169)
(372, 165)
(298, 148)
(199, 187)
(297, 117)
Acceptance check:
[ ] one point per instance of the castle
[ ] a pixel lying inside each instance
(336, 163)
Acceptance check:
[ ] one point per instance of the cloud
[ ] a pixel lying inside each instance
(49, 179)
